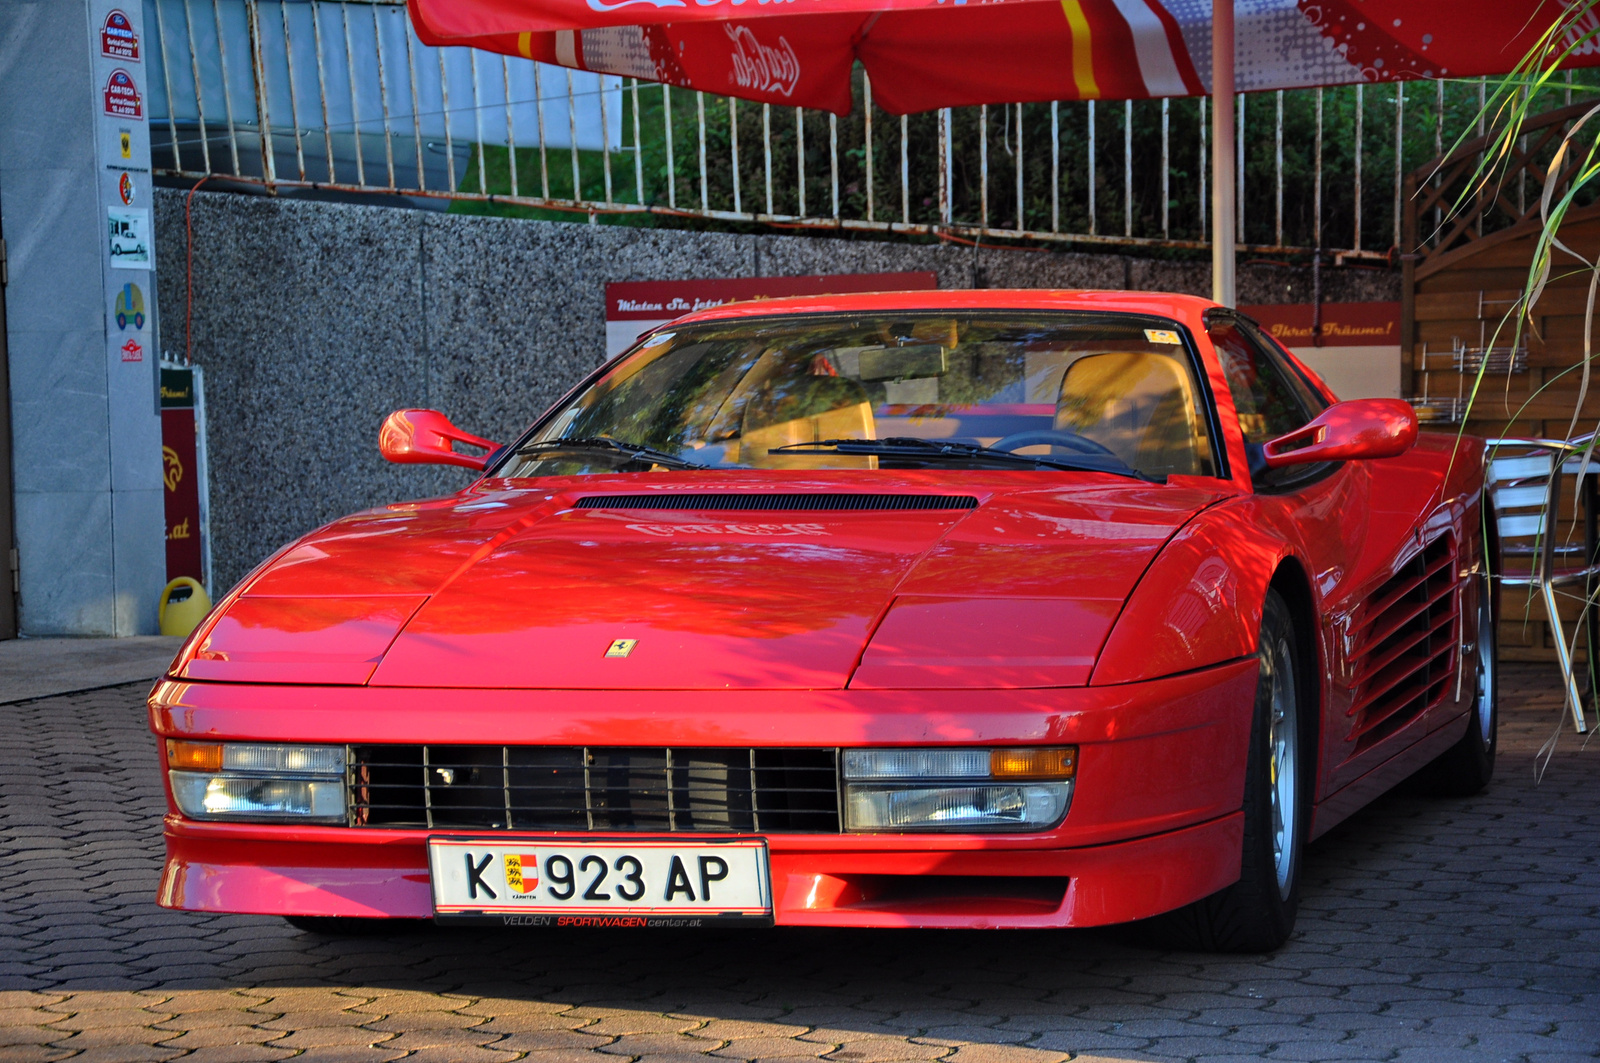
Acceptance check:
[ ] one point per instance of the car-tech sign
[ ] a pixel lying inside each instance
(121, 97)
(118, 39)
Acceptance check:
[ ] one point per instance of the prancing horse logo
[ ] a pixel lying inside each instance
(621, 647)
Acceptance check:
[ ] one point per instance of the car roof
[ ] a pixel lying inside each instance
(1164, 304)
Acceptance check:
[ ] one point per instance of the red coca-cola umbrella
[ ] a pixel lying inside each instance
(926, 54)
(923, 54)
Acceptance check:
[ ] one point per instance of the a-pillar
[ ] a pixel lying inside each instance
(80, 316)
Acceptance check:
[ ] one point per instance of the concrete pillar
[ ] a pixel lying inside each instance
(75, 203)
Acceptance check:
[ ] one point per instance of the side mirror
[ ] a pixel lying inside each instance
(423, 437)
(1347, 431)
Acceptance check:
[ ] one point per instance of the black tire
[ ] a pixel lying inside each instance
(1466, 767)
(1257, 913)
(345, 926)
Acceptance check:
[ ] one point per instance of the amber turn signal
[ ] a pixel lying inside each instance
(193, 756)
(1059, 763)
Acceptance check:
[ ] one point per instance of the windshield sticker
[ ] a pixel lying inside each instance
(1161, 335)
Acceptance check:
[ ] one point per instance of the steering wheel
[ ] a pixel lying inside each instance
(1055, 437)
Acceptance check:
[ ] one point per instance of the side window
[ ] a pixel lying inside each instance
(1314, 400)
(1269, 398)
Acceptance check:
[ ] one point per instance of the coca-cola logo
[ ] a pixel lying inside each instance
(1579, 37)
(761, 67)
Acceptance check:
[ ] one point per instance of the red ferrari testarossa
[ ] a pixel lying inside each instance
(948, 609)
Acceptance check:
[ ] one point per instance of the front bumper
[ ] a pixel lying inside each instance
(1154, 821)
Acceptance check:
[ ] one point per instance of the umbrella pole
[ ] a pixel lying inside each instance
(1223, 222)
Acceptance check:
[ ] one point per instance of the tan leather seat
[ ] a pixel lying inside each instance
(804, 410)
(1138, 405)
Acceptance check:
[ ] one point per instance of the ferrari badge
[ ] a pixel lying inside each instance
(621, 647)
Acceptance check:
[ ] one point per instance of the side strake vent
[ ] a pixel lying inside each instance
(807, 502)
(1405, 656)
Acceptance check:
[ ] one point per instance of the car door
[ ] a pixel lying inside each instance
(1321, 509)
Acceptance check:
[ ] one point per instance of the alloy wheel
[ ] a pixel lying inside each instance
(1283, 744)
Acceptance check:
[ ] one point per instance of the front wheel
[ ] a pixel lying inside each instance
(1257, 913)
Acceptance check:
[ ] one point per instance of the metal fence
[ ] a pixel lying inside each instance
(340, 94)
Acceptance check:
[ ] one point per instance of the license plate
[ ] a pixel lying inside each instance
(586, 882)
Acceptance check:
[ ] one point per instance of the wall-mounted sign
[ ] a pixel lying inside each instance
(635, 307)
(180, 472)
(117, 37)
(1359, 352)
(128, 233)
(125, 188)
(121, 97)
(1343, 324)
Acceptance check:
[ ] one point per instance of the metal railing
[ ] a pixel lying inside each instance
(341, 94)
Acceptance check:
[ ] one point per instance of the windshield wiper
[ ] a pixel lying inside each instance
(938, 450)
(636, 451)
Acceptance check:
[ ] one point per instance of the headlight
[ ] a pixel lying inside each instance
(957, 789)
(257, 781)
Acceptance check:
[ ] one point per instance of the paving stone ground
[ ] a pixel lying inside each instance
(1431, 931)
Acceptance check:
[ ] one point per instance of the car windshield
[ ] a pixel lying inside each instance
(1115, 392)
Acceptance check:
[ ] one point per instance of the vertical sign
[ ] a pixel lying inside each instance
(118, 48)
(180, 472)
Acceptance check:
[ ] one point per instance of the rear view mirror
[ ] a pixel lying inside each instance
(904, 363)
(424, 437)
(1347, 431)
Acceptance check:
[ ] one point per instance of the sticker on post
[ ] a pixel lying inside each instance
(1161, 335)
(128, 308)
(129, 234)
(117, 37)
(121, 97)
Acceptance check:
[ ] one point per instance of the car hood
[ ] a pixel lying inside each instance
(584, 587)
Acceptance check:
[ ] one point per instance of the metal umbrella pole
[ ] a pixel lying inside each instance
(1223, 288)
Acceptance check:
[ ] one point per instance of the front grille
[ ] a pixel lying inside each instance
(575, 788)
(807, 502)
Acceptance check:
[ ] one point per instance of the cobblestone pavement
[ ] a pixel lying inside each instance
(1431, 930)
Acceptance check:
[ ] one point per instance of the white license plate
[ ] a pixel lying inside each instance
(588, 882)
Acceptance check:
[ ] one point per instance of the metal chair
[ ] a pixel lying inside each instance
(1524, 481)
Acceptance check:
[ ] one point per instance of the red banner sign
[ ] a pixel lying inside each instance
(1343, 324)
(658, 300)
(635, 307)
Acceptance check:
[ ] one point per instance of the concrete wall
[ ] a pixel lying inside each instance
(314, 320)
(86, 435)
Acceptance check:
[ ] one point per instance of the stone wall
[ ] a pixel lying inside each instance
(314, 320)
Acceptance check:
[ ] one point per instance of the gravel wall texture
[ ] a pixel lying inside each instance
(314, 320)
